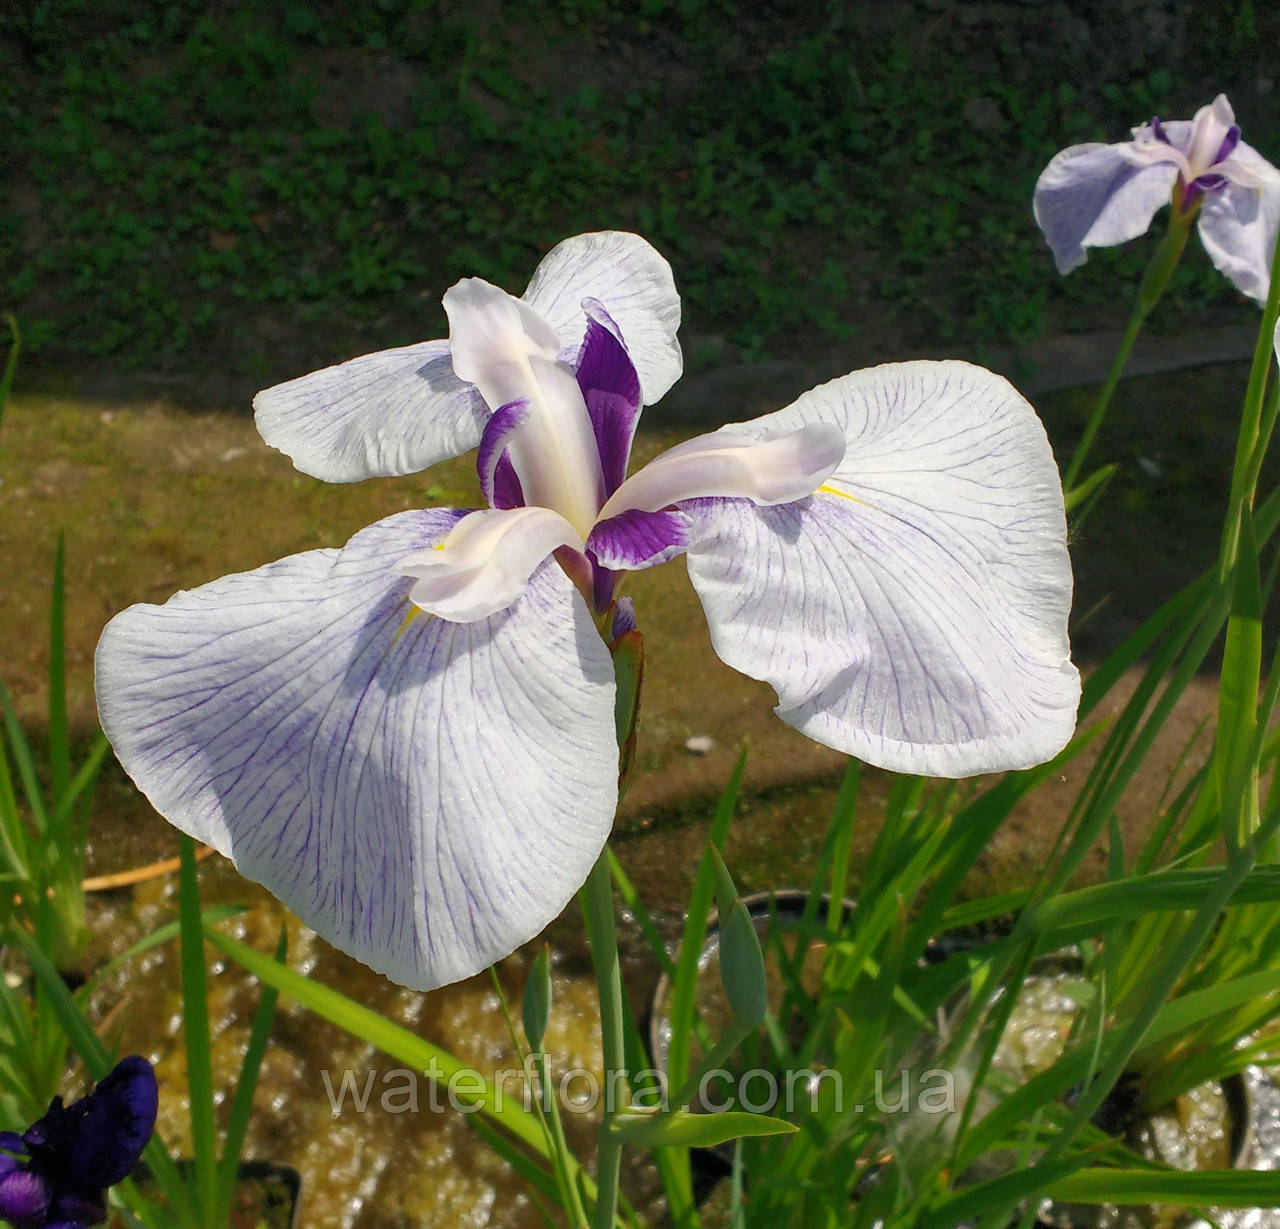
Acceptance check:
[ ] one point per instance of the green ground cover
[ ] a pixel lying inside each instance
(264, 186)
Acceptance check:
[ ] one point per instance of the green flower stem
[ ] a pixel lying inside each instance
(1256, 423)
(1163, 262)
(597, 906)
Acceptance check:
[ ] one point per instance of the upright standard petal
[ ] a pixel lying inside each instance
(611, 390)
(427, 795)
(377, 416)
(504, 347)
(634, 282)
(1239, 224)
(913, 611)
(1097, 196)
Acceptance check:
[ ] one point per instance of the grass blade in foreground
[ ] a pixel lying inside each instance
(195, 1028)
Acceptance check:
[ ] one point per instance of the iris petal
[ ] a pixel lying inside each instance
(394, 412)
(510, 353)
(426, 794)
(23, 1197)
(634, 540)
(1095, 196)
(1238, 227)
(611, 390)
(913, 611)
(118, 1119)
(498, 482)
(634, 283)
(779, 468)
(484, 564)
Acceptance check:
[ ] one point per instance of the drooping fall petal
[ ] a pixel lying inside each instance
(913, 611)
(426, 794)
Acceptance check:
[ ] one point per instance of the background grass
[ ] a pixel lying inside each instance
(255, 188)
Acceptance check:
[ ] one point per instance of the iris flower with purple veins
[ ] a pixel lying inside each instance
(57, 1172)
(1099, 195)
(411, 740)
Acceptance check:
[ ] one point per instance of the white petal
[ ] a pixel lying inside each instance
(1095, 196)
(633, 283)
(492, 336)
(1238, 227)
(784, 467)
(1209, 128)
(427, 795)
(913, 611)
(1249, 169)
(510, 353)
(394, 412)
(484, 564)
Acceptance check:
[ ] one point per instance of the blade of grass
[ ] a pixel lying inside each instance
(1220, 1188)
(195, 1028)
(1235, 751)
(25, 763)
(242, 1098)
(157, 938)
(400, 1043)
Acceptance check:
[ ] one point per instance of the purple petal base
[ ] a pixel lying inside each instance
(498, 479)
(635, 539)
(611, 390)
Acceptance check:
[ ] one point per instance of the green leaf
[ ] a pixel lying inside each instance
(684, 986)
(535, 1007)
(1094, 482)
(195, 1029)
(158, 937)
(1235, 763)
(242, 1099)
(1221, 1188)
(741, 960)
(1004, 1191)
(687, 1130)
(397, 1042)
(1087, 911)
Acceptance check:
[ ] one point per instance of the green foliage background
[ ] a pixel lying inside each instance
(265, 186)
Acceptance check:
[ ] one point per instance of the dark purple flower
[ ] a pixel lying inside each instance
(55, 1175)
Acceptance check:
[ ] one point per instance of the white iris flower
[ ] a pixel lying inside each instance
(411, 740)
(1097, 195)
